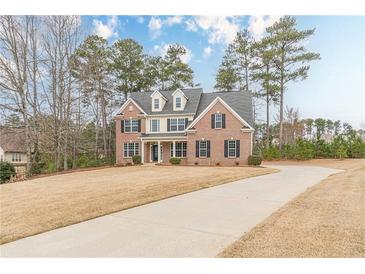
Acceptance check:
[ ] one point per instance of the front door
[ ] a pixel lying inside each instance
(154, 153)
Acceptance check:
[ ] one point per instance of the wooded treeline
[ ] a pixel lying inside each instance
(63, 87)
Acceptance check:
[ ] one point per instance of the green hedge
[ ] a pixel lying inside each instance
(254, 160)
(136, 159)
(7, 170)
(175, 161)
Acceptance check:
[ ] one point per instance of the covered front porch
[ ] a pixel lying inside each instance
(159, 149)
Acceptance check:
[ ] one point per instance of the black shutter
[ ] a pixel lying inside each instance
(223, 120)
(213, 120)
(197, 149)
(237, 148)
(186, 122)
(226, 148)
(208, 149)
(139, 125)
(122, 126)
(168, 124)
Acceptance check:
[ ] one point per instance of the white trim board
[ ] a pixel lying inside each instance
(126, 104)
(215, 101)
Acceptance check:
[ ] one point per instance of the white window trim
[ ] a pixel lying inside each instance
(216, 120)
(131, 126)
(182, 149)
(206, 149)
(154, 103)
(135, 149)
(157, 125)
(178, 107)
(235, 149)
(177, 124)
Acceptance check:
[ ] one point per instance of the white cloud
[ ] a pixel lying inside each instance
(220, 29)
(140, 19)
(191, 25)
(173, 20)
(108, 29)
(207, 52)
(257, 24)
(161, 50)
(156, 24)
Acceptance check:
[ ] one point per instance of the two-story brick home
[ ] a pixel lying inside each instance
(200, 128)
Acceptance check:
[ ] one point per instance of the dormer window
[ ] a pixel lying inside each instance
(156, 103)
(178, 102)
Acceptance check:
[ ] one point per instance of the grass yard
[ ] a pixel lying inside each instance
(328, 220)
(42, 204)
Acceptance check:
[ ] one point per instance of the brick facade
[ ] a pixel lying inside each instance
(216, 137)
(202, 131)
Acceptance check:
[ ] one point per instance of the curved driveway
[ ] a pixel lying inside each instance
(196, 224)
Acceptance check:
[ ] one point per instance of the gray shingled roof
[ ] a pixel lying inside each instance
(239, 101)
(143, 99)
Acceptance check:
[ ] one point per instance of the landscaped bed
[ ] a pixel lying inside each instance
(328, 220)
(43, 204)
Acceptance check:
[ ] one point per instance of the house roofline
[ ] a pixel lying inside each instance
(215, 101)
(127, 102)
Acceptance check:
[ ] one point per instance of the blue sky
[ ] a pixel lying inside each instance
(334, 89)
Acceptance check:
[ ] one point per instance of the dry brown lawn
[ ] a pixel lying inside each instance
(328, 220)
(42, 204)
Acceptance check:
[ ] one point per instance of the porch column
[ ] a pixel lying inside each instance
(142, 153)
(159, 152)
(173, 148)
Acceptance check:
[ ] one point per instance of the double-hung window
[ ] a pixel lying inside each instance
(156, 103)
(131, 149)
(203, 147)
(218, 120)
(178, 102)
(131, 125)
(180, 149)
(16, 157)
(177, 124)
(232, 148)
(155, 125)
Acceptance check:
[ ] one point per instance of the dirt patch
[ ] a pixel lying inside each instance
(328, 220)
(42, 204)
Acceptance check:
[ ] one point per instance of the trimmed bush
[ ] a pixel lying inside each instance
(254, 160)
(7, 170)
(175, 161)
(136, 159)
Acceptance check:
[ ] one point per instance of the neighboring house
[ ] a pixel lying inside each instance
(200, 128)
(12, 147)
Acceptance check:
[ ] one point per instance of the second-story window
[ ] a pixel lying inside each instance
(16, 157)
(178, 102)
(131, 125)
(156, 103)
(155, 125)
(177, 124)
(218, 120)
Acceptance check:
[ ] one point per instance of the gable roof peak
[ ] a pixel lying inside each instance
(156, 91)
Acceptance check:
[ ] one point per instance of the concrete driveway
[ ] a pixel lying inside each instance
(197, 224)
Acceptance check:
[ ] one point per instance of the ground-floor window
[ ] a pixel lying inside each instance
(16, 157)
(232, 148)
(180, 149)
(131, 149)
(203, 149)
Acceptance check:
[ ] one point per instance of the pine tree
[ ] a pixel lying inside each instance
(174, 73)
(291, 57)
(264, 74)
